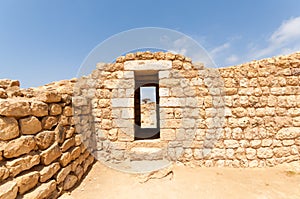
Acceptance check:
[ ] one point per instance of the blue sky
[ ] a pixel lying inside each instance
(47, 40)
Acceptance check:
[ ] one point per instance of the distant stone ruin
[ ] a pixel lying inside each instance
(240, 116)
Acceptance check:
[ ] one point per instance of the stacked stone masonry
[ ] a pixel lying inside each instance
(241, 116)
(41, 154)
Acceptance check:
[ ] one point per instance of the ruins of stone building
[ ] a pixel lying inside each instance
(241, 116)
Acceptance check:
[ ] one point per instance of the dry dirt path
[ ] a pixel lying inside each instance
(219, 183)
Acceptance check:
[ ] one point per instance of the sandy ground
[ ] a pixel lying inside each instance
(219, 183)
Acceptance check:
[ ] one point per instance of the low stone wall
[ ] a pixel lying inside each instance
(41, 154)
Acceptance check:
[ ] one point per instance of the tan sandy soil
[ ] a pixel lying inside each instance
(219, 183)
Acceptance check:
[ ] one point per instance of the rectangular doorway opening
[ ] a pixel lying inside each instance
(146, 105)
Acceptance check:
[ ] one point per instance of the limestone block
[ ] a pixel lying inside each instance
(79, 172)
(250, 153)
(288, 133)
(243, 122)
(240, 153)
(48, 122)
(164, 92)
(255, 143)
(8, 190)
(26, 162)
(55, 109)
(78, 139)
(65, 159)
(127, 113)
(19, 146)
(171, 123)
(264, 153)
(70, 132)
(147, 65)
(49, 96)
(122, 102)
(69, 182)
(48, 171)
(51, 154)
(62, 174)
(231, 144)
(79, 101)
(128, 74)
(3, 93)
(169, 83)
(14, 108)
(172, 102)
(68, 111)
(27, 181)
(9, 128)
(88, 162)
(266, 142)
(230, 153)
(288, 142)
(253, 163)
(218, 153)
(39, 109)
(42, 191)
(113, 134)
(45, 139)
(30, 125)
(167, 134)
(75, 153)
(67, 144)
(4, 173)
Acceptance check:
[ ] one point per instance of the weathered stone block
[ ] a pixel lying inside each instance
(75, 153)
(79, 172)
(122, 102)
(45, 139)
(48, 122)
(4, 173)
(39, 109)
(65, 159)
(264, 153)
(9, 190)
(19, 146)
(14, 108)
(49, 96)
(9, 128)
(69, 182)
(167, 134)
(55, 109)
(27, 181)
(288, 133)
(51, 154)
(42, 191)
(48, 171)
(30, 125)
(232, 144)
(67, 144)
(250, 153)
(21, 164)
(147, 65)
(60, 177)
(68, 111)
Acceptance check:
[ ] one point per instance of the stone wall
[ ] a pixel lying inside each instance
(41, 154)
(241, 116)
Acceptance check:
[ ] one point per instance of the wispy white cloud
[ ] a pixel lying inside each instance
(219, 49)
(285, 39)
